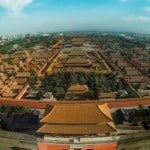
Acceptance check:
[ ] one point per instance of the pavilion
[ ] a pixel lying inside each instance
(77, 119)
(70, 126)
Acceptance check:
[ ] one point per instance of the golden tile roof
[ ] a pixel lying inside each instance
(77, 53)
(77, 118)
(107, 95)
(78, 89)
(77, 129)
(77, 60)
(77, 113)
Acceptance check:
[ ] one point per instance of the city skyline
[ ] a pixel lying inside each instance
(26, 16)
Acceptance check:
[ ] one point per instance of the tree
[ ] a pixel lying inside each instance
(59, 82)
(32, 72)
(39, 95)
(59, 92)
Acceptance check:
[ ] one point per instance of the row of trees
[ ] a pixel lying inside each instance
(58, 83)
(123, 41)
(13, 110)
(42, 40)
(27, 42)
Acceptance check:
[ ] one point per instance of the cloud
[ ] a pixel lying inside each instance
(143, 18)
(133, 18)
(123, 1)
(15, 6)
(147, 9)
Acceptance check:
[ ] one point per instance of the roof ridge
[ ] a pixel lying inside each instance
(111, 124)
(48, 113)
(100, 109)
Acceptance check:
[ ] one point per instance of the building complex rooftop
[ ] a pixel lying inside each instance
(77, 119)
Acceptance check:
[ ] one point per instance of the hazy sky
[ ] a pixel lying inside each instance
(24, 16)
